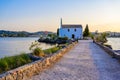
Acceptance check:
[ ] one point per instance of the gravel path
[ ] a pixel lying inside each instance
(85, 62)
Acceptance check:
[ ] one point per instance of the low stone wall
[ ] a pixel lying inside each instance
(36, 67)
(109, 51)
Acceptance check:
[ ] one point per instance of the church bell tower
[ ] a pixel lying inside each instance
(60, 23)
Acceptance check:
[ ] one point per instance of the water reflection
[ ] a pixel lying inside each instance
(12, 46)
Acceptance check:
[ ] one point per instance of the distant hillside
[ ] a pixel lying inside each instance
(110, 34)
(114, 34)
(4, 33)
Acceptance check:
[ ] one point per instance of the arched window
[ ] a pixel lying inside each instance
(68, 30)
(75, 30)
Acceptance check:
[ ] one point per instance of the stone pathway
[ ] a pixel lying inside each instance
(85, 62)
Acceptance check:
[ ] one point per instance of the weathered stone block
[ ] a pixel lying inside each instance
(19, 75)
(3, 78)
(9, 77)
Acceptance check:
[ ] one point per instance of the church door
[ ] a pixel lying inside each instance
(73, 36)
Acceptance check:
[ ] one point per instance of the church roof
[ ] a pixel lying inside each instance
(71, 26)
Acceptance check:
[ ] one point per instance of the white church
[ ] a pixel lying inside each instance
(70, 31)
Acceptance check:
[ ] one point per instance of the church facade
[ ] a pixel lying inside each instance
(70, 31)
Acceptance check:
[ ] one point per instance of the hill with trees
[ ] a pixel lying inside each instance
(4, 33)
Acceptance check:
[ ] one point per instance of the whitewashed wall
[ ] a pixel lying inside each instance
(64, 32)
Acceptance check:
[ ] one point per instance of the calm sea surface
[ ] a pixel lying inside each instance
(115, 42)
(12, 46)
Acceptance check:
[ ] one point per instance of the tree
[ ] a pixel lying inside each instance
(86, 31)
(58, 32)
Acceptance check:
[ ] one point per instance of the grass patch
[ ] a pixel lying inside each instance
(8, 63)
(51, 50)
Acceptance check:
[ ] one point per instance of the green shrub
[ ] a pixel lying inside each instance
(19, 61)
(48, 51)
(54, 49)
(51, 50)
(26, 57)
(8, 63)
(10, 60)
(3, 65)
(38, 52)
(101, 38)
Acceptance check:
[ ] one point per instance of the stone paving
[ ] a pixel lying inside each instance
(85, 62)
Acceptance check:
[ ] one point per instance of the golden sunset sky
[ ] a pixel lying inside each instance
(44, 15)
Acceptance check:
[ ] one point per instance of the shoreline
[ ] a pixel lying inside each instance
(118, 51)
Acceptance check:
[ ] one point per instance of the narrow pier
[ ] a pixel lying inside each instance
(86, 61)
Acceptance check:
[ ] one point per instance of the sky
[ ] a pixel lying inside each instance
(44, 15)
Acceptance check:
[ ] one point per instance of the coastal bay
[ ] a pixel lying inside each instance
(114, 42)
(10, 46)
